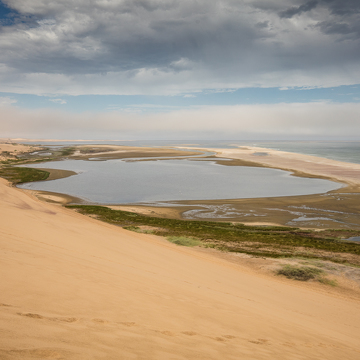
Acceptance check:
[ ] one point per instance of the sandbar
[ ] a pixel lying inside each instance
(108, 152)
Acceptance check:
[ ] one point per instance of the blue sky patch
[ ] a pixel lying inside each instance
(156, 104)
(6, 14)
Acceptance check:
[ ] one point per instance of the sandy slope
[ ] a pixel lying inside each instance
(74, 288)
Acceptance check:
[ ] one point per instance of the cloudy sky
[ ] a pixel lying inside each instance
(166, 69)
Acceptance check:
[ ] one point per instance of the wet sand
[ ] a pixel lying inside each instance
(335, 210)
(106, 152)
(55, 174)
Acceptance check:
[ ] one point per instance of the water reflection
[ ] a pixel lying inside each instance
(119, 181)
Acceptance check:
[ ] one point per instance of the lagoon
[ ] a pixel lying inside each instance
(124, 181)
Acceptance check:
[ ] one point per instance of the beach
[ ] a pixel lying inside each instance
(76, 288)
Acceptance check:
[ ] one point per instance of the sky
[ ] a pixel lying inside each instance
(189, 69)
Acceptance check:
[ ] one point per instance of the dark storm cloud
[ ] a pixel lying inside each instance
(299, 9)
(343, 7)
(330, 27)
(124, 35)
(143, 44)
(343, 17)
(336, 7)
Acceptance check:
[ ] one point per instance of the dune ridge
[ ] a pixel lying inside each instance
(75, 288)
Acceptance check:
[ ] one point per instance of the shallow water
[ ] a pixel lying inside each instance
(354, 238)
(119, 181)
(348, 151)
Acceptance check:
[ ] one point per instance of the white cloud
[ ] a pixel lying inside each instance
(58, 101)
(6, 101)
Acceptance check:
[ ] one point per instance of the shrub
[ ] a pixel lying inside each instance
(132, 228)
(184, 240)
(302, 273)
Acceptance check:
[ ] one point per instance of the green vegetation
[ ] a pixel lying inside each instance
(302, 273)
(327, 281)
(305, 273)
(138, 230)
(10, 161)
(67, 151)
(133, 228)
(184, 241)
(18, 175)
(43, 155)
(26, 160)
(254, 240)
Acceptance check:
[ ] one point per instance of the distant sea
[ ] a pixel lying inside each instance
(348, 151)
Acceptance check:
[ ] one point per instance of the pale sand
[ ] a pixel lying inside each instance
(108, 152)
(13, 149)
(348, 173)
(167, 212)
(75, 288)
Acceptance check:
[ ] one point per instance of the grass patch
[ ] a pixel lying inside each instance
(301, 273)
(18, 175)
(305, 273)
(260, 241)
(327, 281)
(138, 229)
(132, 228)
(67, 151)
(184, 241)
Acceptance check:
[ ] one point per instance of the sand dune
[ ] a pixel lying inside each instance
(75, 288)
(10, 150)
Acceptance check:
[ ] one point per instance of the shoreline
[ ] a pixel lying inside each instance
(299, 164)
(334, 209)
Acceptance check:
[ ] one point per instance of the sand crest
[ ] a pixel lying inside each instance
(75, 288)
